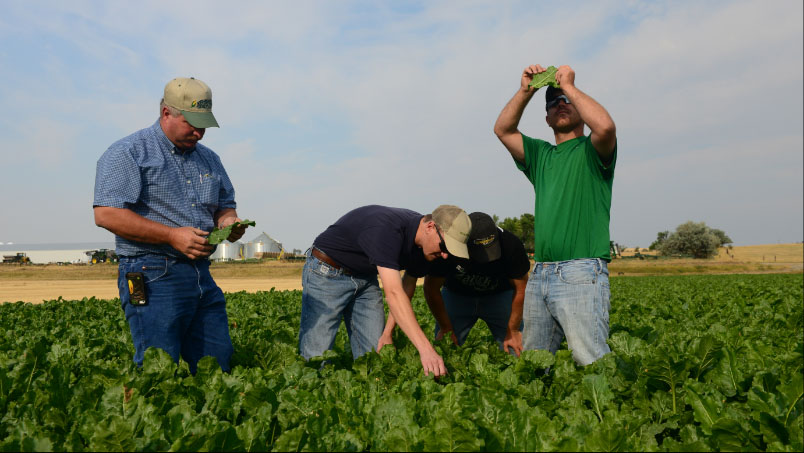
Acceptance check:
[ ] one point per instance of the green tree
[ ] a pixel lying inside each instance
(660, 237)
(691, 238)
(511, 224)
(521, 227)
(527, 224)
(721, 237)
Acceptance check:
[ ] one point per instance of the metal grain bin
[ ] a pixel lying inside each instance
(228, 251)
(251, 249)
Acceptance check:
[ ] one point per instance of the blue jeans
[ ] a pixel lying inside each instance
(329, 296)
(464, 311)
(185, 314)
(568, 298)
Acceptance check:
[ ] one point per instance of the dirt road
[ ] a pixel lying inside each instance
(37, 291)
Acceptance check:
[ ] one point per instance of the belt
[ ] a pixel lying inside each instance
(326, 259)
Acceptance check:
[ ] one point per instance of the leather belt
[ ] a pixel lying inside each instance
(326, 259)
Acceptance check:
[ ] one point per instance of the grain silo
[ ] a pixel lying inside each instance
(257, 247)
(228, 251)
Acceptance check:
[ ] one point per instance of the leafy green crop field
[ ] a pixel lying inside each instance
(699, 363)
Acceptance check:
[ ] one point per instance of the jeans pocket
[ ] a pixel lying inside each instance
(323, 269)
(153, 270)
(577, 273)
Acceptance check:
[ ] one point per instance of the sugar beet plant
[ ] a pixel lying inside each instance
(699, 363)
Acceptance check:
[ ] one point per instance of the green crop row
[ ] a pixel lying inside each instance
(699, 363)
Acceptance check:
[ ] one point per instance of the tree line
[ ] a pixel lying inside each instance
(522, 227)
(694, 239)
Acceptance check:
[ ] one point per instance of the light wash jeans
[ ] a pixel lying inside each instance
(186, 311)
(568, 298)
(329, 296)
(464, 311)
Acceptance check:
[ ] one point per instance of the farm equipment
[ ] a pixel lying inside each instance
(19, 258)
(614, 249)
(102, 256)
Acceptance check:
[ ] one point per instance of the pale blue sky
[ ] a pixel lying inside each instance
(327, 106)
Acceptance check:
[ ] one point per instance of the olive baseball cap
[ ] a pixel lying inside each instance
(455, 226)
(193, 99)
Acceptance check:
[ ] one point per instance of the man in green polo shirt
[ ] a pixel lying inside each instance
(568, 290)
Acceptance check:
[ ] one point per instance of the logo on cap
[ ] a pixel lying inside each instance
(484, 241)
(202, 104)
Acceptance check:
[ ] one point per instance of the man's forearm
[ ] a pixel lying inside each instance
(390, 323)
(402, 311)
(508, 121)
(592, 113)
(223, 214)
(409, 287)
(132, 226)
(515, 321)
(517, 303)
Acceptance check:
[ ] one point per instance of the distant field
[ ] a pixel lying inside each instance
(771, 258)
(748, 259)
(35, 283)
(781, 253)
(768, 253)
(102, 271)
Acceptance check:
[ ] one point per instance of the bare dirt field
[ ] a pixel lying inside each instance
(747, 259)
(37, 291)
(37, 283)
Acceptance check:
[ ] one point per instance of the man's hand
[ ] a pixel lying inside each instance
(237, 232)
(440, 335)
(565, 76)
(527, 76)
(513, 340)
(432, 363)
(402, 311)
(384, 340)
(190, 241)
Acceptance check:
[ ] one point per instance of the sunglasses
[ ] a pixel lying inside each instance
(442, 245)
(555, 100)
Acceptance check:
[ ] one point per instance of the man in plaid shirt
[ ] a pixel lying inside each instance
(161, 193)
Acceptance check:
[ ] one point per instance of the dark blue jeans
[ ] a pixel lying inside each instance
(185, 314)
(464, 311)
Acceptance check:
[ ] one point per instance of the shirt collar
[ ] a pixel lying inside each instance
(166, 143)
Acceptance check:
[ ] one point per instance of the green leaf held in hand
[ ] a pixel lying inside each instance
(545, 78)
(218, 235)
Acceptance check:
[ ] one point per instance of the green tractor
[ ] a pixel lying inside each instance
(102, 256)
(19, 258)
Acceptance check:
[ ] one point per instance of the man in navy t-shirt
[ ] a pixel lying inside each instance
(340, 276)
(489, 286)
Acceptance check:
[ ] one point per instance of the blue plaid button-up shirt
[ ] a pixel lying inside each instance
(147, 174)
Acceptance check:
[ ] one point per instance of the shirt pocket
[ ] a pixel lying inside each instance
(209, 192)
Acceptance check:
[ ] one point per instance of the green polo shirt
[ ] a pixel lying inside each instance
(573, 199)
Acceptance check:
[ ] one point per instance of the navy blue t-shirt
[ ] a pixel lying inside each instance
(474, 279)
(372, 236)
